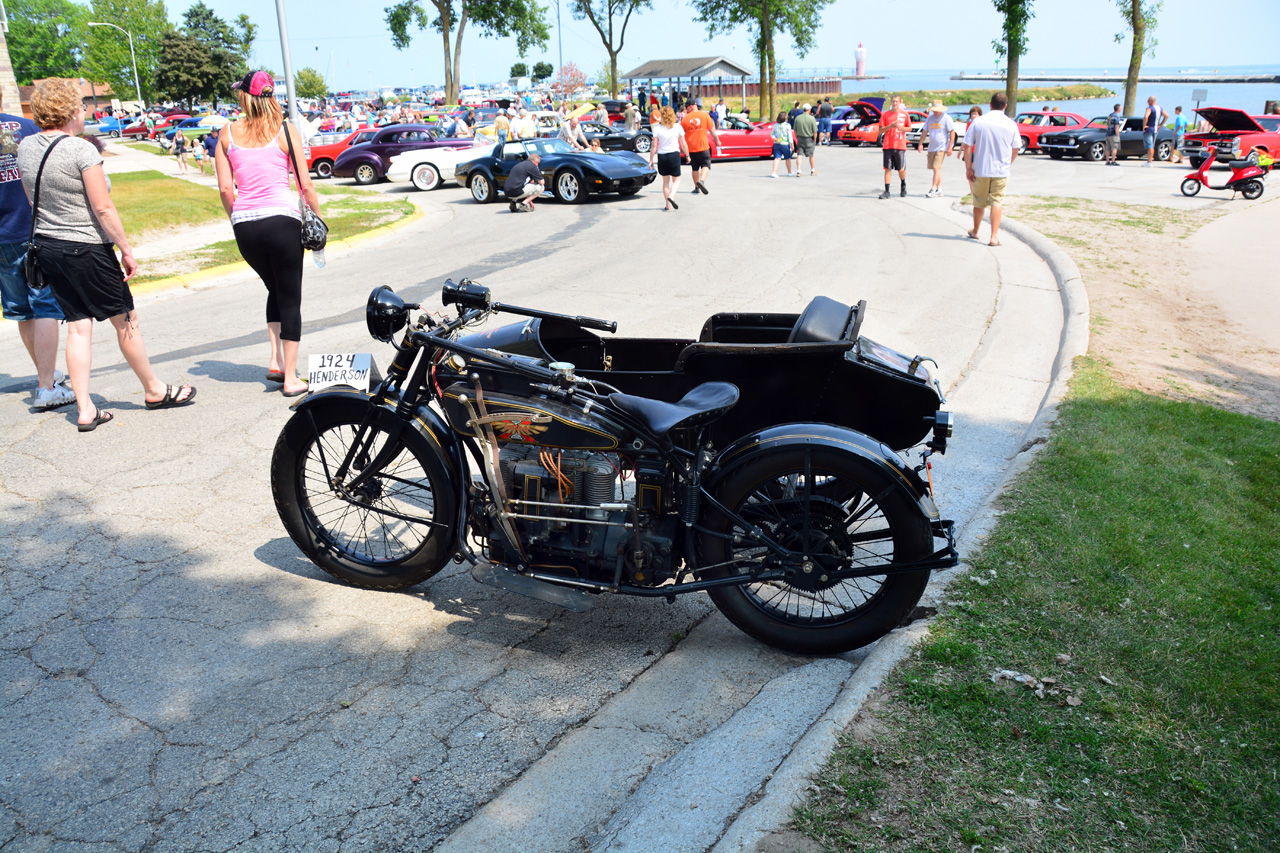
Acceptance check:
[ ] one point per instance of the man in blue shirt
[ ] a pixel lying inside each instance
(36, 311)
(1180, 124)
(1115, 123)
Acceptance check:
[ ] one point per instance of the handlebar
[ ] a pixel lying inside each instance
(467, 294)
(586, 322)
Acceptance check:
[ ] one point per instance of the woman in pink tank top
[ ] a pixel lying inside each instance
(253, 169)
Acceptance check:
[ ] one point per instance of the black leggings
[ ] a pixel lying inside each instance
(273, 248)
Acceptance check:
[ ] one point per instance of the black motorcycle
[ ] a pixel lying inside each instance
(760, 464)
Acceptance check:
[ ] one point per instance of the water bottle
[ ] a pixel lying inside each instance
(318, 256)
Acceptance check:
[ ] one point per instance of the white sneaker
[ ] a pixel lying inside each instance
(52, 398)
(774, 175)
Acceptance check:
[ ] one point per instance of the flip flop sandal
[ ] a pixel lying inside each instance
(275, 376)
(297, 393)
(101, 418)
(170, 398)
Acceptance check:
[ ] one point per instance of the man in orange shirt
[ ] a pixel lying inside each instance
(699, 133)
(896, 122)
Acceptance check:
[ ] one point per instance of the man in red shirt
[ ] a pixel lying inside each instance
(699, 132)
(896, 122)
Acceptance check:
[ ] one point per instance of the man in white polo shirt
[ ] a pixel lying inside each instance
(991, 144)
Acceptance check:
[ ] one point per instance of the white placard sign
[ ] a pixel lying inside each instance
(330, 368)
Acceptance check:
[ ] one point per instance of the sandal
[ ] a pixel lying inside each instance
(275, 375)
(171, 393)
(100, 418)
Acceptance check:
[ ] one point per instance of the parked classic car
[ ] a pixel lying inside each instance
(617, 139)
(740, 139)
(325, 147)
(1032, 125)
(960, 121)
(571, 175)
(1235, 134)
(427, 168)
(1088, 141)
(367, 162)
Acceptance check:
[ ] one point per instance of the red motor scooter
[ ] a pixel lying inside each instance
(1246, 177)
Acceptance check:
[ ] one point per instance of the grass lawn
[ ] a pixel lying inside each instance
(149, 147)
(149, 201)
(1134, 576)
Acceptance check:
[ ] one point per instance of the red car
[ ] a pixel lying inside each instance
(1235, 134)
(1031, 125)
(326, 147)
(742, 140)
(166, 123)
(866, 130)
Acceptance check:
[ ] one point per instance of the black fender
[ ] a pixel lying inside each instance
(426, 421)
(830, 436)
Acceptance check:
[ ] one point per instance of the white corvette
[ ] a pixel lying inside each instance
(428, 167)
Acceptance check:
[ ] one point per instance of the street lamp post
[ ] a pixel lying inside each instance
(132, 56)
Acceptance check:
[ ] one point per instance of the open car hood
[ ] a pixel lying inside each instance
(869, 109)
(1225, 118)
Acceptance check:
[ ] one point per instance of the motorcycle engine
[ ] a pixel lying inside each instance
(572, 519)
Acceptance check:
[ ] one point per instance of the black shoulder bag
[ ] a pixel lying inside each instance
(314, 232)
(35, 276)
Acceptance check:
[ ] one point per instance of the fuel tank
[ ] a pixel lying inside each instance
(566, 425)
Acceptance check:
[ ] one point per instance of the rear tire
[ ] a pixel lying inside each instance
(1190, 187)
(359, 546)
(852, 515)
(324, 168)
(643, 144)
(1164, 150)
(481, 188)
(425, 177)
(1252, 189)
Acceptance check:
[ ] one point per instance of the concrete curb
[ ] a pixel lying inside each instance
(790, 782)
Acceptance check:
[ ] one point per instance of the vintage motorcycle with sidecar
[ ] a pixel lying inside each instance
(760, 463)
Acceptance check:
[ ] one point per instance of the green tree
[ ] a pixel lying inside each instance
(309, 83)
(610, 19)
(519, 70)
(765, 19)
(1140, 20)
(606, 78)
(45, 38)
(227, 61)
(1012, 45)
(183, 73)
(542, 70)
(524, 19)
(107, 52)
(246, 32)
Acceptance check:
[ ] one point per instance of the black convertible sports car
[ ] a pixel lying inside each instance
(617, 139)
(1089, 141)
(571, 175)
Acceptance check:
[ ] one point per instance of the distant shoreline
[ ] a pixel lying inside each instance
(1116, 79)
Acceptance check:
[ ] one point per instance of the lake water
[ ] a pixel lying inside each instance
(1250, 97)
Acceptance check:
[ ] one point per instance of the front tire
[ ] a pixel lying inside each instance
(1023, 144)
(115, 134)
(363, 547)
(365, 174)
(1055, 155)
(1190, 187)
(425, 177)
(850, 514)
(1096, 151)
(481, 188)
(568, 188)
(1164, 150)
(1252, 189)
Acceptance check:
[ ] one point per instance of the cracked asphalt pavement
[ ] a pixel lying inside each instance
(176, 676)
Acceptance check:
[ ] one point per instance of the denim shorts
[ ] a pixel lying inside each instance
(1148, 139)
(19, 301)
(824, 125)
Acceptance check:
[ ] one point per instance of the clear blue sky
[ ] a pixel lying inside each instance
(953, 35)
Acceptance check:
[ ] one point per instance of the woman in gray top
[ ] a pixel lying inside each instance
(76, 225)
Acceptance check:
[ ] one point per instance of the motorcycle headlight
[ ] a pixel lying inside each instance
(385, 314)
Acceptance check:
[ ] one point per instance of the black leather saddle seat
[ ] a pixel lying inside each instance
(704, 403)
(824, 320)
(1239, 164)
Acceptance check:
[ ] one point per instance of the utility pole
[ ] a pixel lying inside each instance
(559, 36)
(8, 82)
(294, 115)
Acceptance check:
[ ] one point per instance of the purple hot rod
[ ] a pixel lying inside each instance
(368, 161)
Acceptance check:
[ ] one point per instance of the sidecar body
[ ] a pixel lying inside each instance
(789, 368)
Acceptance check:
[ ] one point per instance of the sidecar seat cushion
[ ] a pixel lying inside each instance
(703, 404)
(824, 320)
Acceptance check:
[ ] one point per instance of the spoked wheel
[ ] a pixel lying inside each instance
(836, 512)
(643, 144)
(1252, 189)
(481, 188)
(365, 174)
(1190, 186)
(392, 531)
